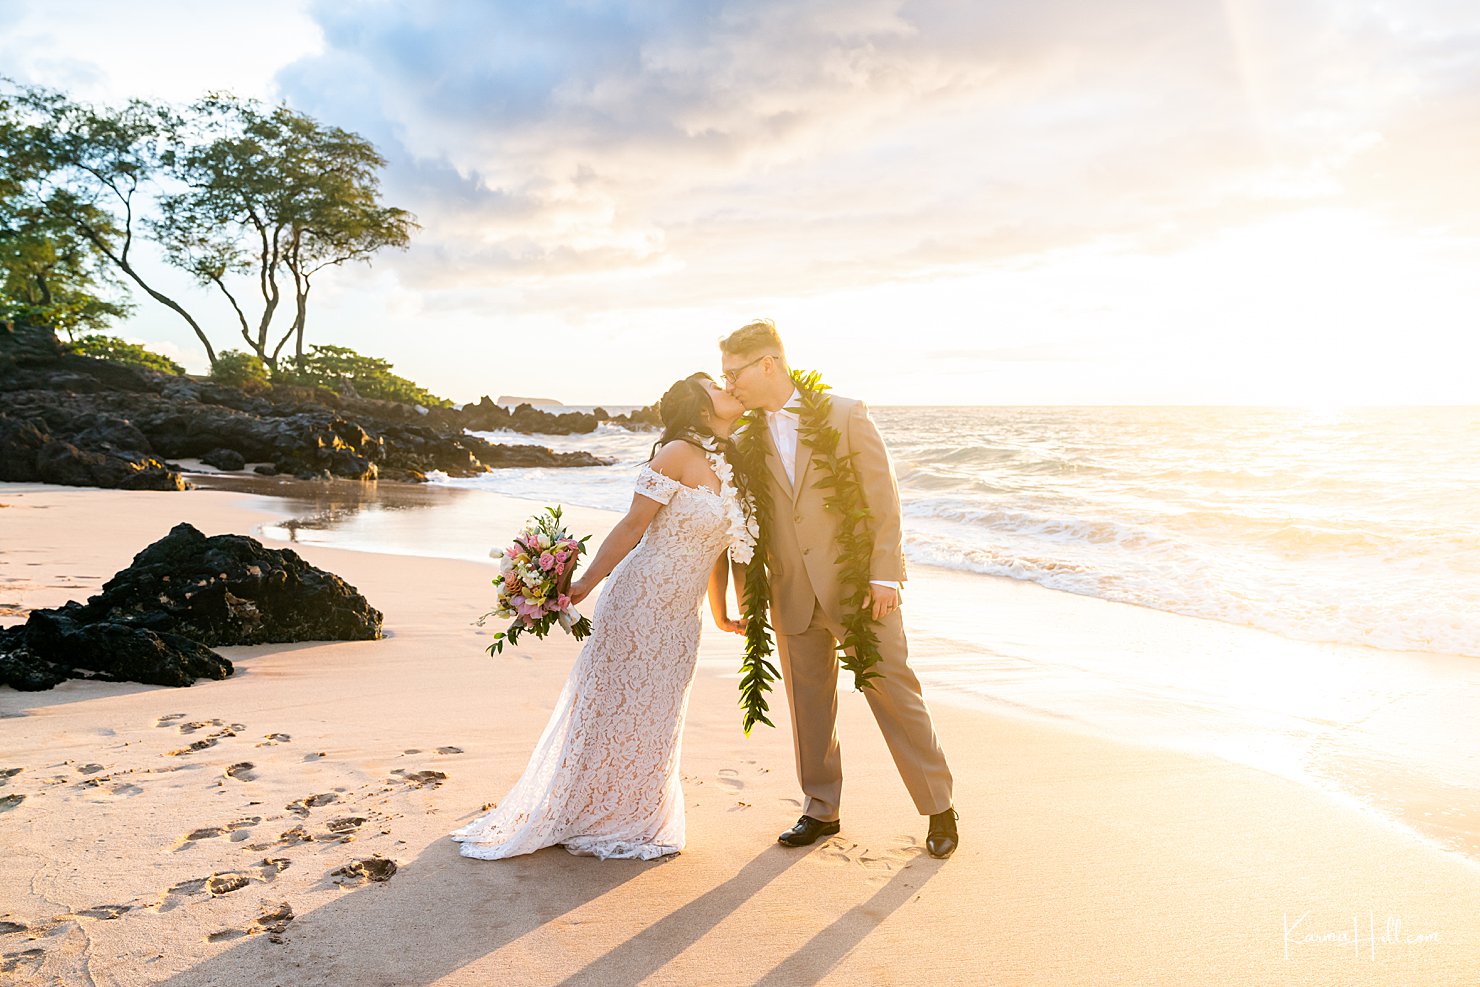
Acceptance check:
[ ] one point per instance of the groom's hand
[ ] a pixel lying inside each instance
(882, 599)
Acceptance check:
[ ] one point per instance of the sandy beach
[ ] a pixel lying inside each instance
(134, 854)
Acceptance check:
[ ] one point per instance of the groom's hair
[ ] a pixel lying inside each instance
(759, 336)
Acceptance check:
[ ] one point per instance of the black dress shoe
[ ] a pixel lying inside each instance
(942, 839)
(808, 831)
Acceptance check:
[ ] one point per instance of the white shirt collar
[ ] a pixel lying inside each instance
(795, 399)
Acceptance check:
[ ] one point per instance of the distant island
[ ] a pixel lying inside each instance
(514, 402)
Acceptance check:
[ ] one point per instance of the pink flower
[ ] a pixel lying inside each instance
(547, 561)
(562, 556)
(512, 551)
(563, 603)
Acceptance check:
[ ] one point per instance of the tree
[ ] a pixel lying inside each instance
(273, 195)
(240, 369)
(368, 376)
(83, 168)
(49, 274)
(116, 350)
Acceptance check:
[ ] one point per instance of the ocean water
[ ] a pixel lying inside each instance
(1332, 560)
(1352, 526)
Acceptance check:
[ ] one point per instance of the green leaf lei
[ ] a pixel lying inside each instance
(859, 650)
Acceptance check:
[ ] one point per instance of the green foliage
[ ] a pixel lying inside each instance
(331, 367)
(245, 198)
(237, 369)
(859, 650)
(756, 671)
(50, 274)
(276, 196)
(116, 350)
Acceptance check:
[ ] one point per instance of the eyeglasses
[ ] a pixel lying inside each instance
(730, 376)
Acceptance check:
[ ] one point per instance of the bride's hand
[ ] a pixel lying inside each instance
(579, 591)
(731, 624)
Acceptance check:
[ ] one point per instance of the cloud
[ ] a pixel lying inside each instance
(714, 151)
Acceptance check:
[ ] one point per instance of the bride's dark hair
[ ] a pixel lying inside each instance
(682, 409)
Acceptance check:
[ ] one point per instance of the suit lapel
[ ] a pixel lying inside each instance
(804, 459)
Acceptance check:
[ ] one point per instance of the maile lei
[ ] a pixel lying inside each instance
(859, 650)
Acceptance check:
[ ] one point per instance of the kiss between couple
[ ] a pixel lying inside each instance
(603, 780)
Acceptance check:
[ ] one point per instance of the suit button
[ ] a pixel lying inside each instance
(806, 551)
(797, 518)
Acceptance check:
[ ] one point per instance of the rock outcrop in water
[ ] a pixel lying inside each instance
(79, 421)
(157, 620)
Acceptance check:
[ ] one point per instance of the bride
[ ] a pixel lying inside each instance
(603, 780)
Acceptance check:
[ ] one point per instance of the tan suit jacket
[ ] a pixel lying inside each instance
(803, 542)
(807, 612)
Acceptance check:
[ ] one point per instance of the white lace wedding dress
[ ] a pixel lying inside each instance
(603, 780)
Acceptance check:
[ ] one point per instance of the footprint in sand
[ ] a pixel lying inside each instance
(241, 771)
(343, 830)
(730, 778)
(28, 960)
(9, 802)
(225, 882)
(104, 912)
(199, 745)
(168, 718)
(358, 872)
(449, 750)
(421, 779)
(273, 739)
(273, 921)
(238, 828)
(8, 773)
(300, 807)
(295, 836)
(10, 928)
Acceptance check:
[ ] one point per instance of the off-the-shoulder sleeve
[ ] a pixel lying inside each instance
(656, 486)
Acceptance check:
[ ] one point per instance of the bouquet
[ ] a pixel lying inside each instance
(533, 583)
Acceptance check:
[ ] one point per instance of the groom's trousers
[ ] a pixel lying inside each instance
(809, 669)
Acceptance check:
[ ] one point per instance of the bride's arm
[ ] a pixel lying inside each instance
(671, 461)
(614, 548)
(719, 585)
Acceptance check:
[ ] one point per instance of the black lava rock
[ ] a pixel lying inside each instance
(225, 459)
(52, 646)
(230, 589)
(157, 620)
(131, 415)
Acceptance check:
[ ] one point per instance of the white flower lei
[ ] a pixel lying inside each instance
(744, 529)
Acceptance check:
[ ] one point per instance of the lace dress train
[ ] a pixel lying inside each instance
(603, 779)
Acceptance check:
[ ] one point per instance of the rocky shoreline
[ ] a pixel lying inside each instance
(78, 421)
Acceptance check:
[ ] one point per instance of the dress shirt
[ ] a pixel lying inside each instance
(784, 425)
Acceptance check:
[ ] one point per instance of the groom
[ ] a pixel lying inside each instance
(806, 592)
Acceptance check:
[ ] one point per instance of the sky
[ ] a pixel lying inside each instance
(1011, 202)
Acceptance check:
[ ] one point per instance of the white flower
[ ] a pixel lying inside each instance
(743, 529)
